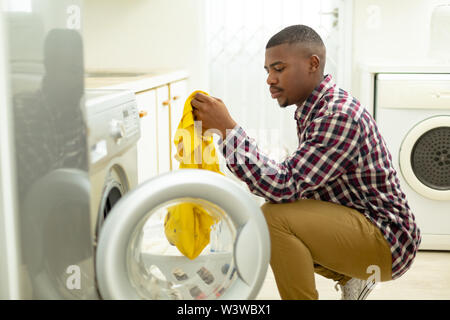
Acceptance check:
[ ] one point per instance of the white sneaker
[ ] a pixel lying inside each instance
(355, 289)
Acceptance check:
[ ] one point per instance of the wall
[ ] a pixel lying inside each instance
(171, 34)
(389, 32)
(145, 35)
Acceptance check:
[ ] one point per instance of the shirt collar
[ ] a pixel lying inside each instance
(304, 110)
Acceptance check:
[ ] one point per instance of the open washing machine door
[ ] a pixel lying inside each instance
(134, 260)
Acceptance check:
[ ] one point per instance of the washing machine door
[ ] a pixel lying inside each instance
(136, 261)
(425, 158)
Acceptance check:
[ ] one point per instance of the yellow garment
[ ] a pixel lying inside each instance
(187, 225)
(194, 151)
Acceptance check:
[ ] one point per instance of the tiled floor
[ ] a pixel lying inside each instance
(428, 279)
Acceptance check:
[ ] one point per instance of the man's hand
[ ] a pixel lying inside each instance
(212, 112)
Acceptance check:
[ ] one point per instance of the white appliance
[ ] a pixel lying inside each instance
(129, 251)
(412, 111)
(135, 261)
(133, 258)
(113, 132)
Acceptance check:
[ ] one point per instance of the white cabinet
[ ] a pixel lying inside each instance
(147, 145)
(161, 109)
(160, 99)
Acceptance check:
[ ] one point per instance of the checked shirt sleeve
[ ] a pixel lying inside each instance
(329, 149)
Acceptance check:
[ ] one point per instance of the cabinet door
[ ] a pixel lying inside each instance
(178, 96)
(147, 144)
(164, 141)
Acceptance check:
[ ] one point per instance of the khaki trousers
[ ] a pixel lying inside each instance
(332, 240)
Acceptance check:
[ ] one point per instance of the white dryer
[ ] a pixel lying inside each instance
(413, 115)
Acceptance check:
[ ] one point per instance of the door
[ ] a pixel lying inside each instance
(178, 95)
(147, 144)
(164, 143)
(135, 260)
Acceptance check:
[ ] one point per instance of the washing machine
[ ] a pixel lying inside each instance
(412, 111)
(99, 235)
(133, 258)
(113, 131)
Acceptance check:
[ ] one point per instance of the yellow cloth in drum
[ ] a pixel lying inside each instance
(188, 225)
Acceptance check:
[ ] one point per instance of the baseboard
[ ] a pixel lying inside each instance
(435, 242)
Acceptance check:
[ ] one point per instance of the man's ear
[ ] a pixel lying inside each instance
(314, 63)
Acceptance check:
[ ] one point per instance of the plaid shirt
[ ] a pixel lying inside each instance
(341, 158)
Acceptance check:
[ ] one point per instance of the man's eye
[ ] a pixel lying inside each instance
(279, 69)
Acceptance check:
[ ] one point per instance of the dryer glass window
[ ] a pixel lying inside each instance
(430, 158)
(159, 270)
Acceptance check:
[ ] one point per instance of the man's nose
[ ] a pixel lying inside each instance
(271, 79)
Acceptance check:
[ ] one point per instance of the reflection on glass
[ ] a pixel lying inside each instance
(47, 88)
(158, 270)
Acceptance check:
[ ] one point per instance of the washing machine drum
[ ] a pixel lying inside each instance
(425, 158)
(136, 261)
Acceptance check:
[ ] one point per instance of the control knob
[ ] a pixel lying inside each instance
(117, 130)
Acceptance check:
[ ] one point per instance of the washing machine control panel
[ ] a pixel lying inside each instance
(113, 123)
(130, 117)
(125, 123)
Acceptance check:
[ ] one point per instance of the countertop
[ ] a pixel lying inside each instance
(424, 66)
(133, 80)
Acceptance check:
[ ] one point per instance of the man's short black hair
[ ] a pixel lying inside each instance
(295, 34)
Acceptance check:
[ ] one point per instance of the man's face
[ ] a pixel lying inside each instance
(290, 74)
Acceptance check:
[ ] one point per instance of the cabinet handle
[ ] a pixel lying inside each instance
(176, 98)
(166, 103)
(142, 113)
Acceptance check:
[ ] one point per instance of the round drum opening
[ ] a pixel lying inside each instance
(112, 193)
(430, 158)
(111, 199)
(158, 269)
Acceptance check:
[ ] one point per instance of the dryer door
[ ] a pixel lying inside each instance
(136, 261)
